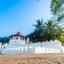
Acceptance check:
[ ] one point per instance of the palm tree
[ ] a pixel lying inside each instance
(54, 30)
(39, 29)
(50, 29)
(45, 31)
(37, 34)
(38, 25)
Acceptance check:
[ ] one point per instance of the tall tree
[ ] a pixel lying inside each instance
(39, 26)
(50, 30)
(45, 31)
(38, 29)
(37, 35)
(57, 9)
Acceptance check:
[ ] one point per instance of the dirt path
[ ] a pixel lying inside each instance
(32, 59)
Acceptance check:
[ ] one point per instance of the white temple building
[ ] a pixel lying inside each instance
(18, 39)
(19, 44)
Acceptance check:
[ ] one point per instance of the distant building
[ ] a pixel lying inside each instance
(18, 39)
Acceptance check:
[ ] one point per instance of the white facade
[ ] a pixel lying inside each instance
(15, 42)
(18, 39)
(33, 48)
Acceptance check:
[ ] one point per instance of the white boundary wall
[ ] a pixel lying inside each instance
(44, 47)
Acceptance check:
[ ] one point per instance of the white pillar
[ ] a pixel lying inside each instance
(27, 40)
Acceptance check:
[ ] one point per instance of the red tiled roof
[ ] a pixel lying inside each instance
(18, 34)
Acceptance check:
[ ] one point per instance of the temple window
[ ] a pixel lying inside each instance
(21, 38)
(17, 38)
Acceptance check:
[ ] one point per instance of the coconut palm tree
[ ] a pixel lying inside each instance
(38, 25)
(45, 31)
(40, 30)
(37, 35)
(53, 30)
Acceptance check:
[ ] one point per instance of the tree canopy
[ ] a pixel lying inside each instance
(57, 9)
(51, 29)
(45, 31)
(4, 40)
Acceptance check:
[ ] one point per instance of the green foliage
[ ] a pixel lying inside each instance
(37, 34)
(45, 31)
(4, 40)
(57, 9)
(50, 30)
(62, 38)
(56, 6)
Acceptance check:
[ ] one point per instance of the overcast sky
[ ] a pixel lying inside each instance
(20, 15)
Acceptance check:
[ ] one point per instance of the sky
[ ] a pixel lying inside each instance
(20, 15)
